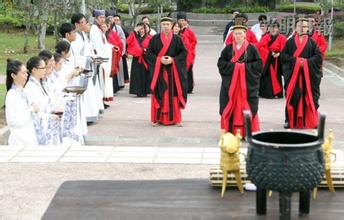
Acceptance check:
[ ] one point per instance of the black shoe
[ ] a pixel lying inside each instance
(121, 87)
(286, 125)
(106, 106)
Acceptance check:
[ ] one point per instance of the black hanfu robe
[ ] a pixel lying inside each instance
(189, 38)
(168, 84)
(271, 85)
(302, 84)
(240, 70)
(139, 74)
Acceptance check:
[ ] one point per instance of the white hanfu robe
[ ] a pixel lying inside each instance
(19, 118)
(92, 96)
(103, 49)
(37, 95)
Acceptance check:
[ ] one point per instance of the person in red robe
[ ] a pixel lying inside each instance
(166, 57)
(250, 35)
(114, 39)
(138, 42)
(301, 63)
(176, 30)
(187, 33)
(316, 35)
(240, 67)
(270, 47)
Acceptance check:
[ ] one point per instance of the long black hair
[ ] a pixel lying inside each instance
(13, 66)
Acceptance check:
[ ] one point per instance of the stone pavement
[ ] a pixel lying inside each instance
(124, 146)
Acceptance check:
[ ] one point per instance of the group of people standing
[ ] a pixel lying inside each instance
(93, 57)
(261, 62)
(256, 62)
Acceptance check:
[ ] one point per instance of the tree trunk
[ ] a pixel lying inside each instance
(43, 30)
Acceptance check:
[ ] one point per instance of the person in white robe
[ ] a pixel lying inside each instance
(56, 105)
(103, 50)
(18, 111)
(37, 94)
(256, 29)
(68, 32)
(92, 96)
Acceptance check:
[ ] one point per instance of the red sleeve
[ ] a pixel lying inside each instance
(192, 38)
(115, 40)
(263, 48)
(322, 44)
(229, 39)
(251, 38)
(133, 46)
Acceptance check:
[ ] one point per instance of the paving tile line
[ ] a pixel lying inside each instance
(160, 154)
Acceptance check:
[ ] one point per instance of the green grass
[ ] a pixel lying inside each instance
(337, 49)
(11, 46)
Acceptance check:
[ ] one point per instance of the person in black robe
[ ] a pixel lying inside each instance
(138, 42)
(240, 67)
(270, 47)
(302, 74)
(166, 57)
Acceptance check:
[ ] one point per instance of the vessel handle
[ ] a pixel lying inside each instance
(247, 116)
(321, 126)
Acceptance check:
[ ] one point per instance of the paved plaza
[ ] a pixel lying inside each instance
(123, 146)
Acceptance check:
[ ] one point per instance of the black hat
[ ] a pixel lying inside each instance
(110, 12)
(300, 18)
(97, 12)
(166, 19)
(181, 15)
(274, 22)
(239, 22)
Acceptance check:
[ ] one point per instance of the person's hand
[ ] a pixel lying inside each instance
(275, 55)
(55, 117)
(116, 48)
(302, 60)
(166, 60)
(76, 72)
(35, 107)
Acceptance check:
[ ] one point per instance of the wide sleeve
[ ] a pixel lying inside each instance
(133, 47)
(18, 112)
(224, 63)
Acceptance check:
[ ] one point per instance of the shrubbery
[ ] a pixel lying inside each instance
(300, 9)
(226, 10)
(339, 29)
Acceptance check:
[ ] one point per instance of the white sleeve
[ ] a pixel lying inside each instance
(78, 46)
(95, 41)
(18, 113)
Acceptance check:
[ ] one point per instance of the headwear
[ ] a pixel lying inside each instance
(239, 22)
(166, 19)
(274, 22)
(110, 12)
(97, 13)
(300, 18)
(181, 15)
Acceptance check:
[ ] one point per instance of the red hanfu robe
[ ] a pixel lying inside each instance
(302, 83)
(320, 40)
(250, 37)
(189, 57)
(115, 40)
(240, 84)
(168, 81)
(271, 79)
(188, 34)
(140, 77)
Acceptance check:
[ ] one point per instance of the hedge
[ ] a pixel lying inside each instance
(300, 9)
(227, 9)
